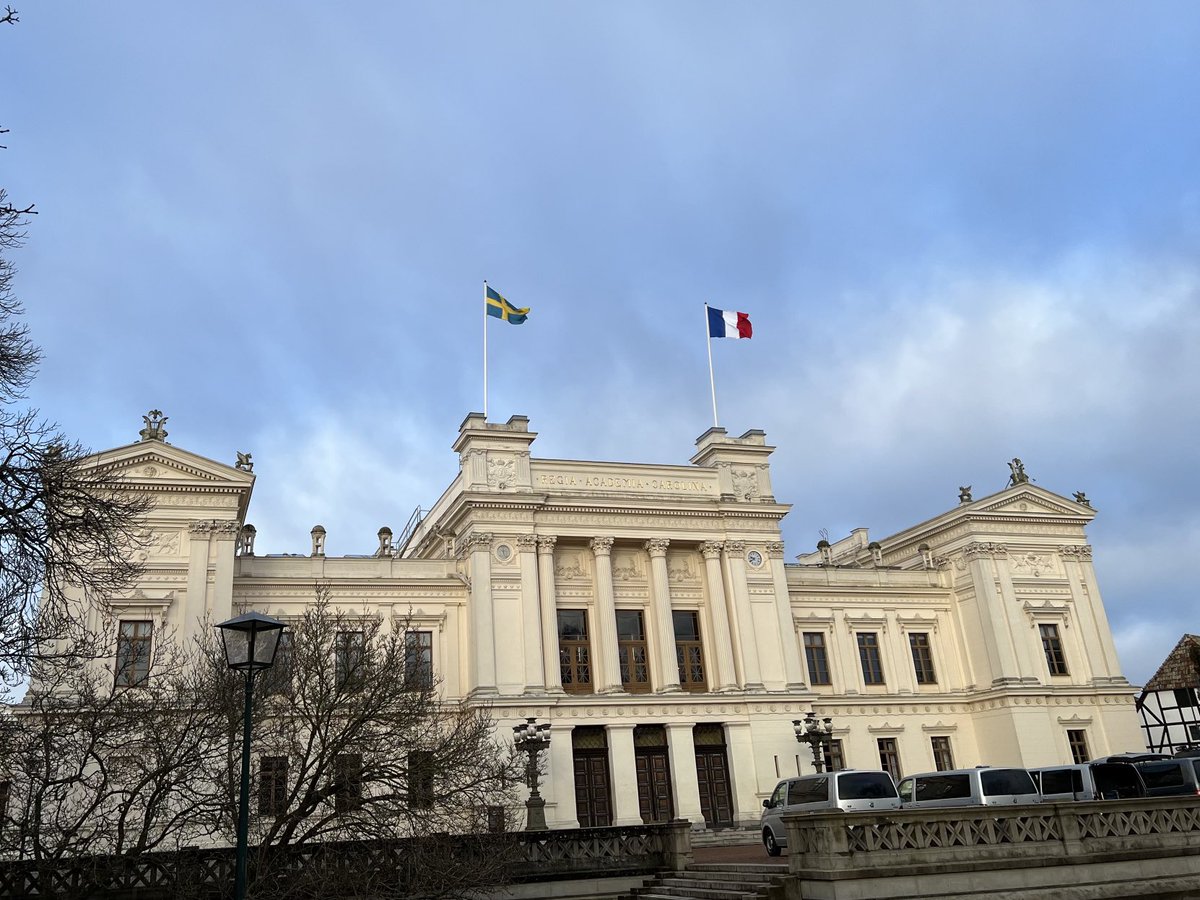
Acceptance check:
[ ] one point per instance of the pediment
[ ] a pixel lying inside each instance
(150, 463)
(1031, 502)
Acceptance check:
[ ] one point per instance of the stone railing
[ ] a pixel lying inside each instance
(839, 846)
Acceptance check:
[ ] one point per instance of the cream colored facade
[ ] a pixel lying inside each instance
(515, 540)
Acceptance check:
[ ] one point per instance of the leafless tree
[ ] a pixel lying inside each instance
(353, 742)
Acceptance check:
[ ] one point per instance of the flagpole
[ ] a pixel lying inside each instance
(485, 317)
(711, 381)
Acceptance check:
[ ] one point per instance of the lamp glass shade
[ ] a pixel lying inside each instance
(251, 641)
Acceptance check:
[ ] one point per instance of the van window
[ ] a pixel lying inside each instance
(906, 790)
(997, 782)
(1164, 774)
(943, 787)
(808, 790)
(1062, 781)
(865, 786)
(1116, 781)
(1196, 767)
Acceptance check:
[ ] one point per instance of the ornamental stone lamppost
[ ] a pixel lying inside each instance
(816, 733)
(533, 738)
(250, 642)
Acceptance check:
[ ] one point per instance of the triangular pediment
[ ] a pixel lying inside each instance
(1029, 501)
(148, 463)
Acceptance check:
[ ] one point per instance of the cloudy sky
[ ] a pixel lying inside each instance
(963, 232)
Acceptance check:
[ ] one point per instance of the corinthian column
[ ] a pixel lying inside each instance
(722, 654)
(743, 615)
(482, 631)
(531, 614)
(664, 626)
(792, 668)
(549, 603)
(608, 678)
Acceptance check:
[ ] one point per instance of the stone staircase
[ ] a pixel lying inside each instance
(716, 881)
(726, 837)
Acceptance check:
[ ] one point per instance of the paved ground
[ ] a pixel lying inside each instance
(740, 853)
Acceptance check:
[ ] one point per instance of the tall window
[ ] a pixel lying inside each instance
(574, 652)
(348, 658)
(1052, 645)
(818, 659)
(868, 655)
(1077, 741)
(133, 653)
(688, 651)
(889, 757)
(420, 779)
(278, 678)
(631, 638)
(347, 782)
(1185, 697)
(943, 759)
(418, 660)
(835, 756)
(922, 658)
(5, 786)
(272, 785)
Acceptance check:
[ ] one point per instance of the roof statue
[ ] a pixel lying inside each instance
(155, 429)
(964, 494)
(1081, 498)
(1018, 475)
(245, 461)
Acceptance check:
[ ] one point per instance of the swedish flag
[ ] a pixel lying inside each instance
(500, 308)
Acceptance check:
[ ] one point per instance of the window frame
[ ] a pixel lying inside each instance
(816, 657)
(1077, 743)
(348, 656)
(133, 671)
(418, 660)
(1052, 648)
(833, 752)
(347, 782)
(689, 653)
(272, 793)
(943, 752)
(889, 756)
(628, 650)
(575, 656)
(421, 773)
(869, 652)
(922, 656)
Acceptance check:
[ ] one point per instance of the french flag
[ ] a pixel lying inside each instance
(728, 324)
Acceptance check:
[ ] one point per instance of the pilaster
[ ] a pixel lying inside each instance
(531, 614)
(560, 796)
(792, 665)
(998, 639)
(549, 613)
(608, 679)
(744, 616)
(621, 765)
(685, 786)
(482, 618)
(739, 749)
(722, 655)
(664, 631)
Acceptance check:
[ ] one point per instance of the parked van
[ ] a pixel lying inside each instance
(1089, 781)
(850, 790)
(1166, 777)
(984, 786)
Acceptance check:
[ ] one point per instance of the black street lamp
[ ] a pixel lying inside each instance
(250, 642)
(532, 738)
(816, 733)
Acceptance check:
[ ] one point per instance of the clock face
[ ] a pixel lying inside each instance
(503, 552)
(754, 558)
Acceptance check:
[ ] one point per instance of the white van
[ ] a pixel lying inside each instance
(1089, 781)
(984, 786)
(851, 790)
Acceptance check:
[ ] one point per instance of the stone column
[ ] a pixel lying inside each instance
(622, 777)
(225, 536)
(744, 617)
(685, 785)
(739, 752)
(482, 624)
(722, 654)
(1093, 623)
(898, 655)
(1030, 667)
(608, 675)
(560, 780)
(664, 626)
(197, 577)
(792, 666)
(998, 640)
(549, 604)
(531, 615)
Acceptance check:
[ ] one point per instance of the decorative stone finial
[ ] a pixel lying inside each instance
(245, 541)
(1081, 499)
(318, 540)
(385, 542)
(1018, 475)
(155, 429)
(964, 494)
(245, 461)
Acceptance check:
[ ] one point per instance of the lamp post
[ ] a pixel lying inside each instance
(250, 642)
(532, 738)
(816, 733)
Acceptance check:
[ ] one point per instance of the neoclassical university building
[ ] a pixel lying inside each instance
(650, 614)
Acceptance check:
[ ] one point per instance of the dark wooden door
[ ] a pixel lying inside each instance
(712, 774)
(654, 786)
(592, 793)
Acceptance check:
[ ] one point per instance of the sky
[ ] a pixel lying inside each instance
(963, 233)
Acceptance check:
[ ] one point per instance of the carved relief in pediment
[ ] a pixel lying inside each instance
(568, 566)
(682, 568)
(745, 484)
(627, 566)
(1035, 564)
(501, 472)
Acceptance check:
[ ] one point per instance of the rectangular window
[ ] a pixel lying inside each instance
(348, 658)
(1194, 733)
(1077, 741)
(574, 651)
(133, 653)
(835, 756)
(889, 757)
(347, 782)
(1055, 661)
(1185, 697)
(418, 660)
(420, 779)
(818, 659)
(943, 758)
(5, 786)
(922, 655)
(272, 785)
(278, 678)
(688, 651)
(631, 638)
(868, 655)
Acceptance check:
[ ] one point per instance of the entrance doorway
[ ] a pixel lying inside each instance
(593, 804)
(712, 775)
(653, 773)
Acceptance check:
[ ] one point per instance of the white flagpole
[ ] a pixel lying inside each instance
(711, 381)
(485, 318)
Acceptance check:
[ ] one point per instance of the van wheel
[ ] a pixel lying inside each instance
(773, 848)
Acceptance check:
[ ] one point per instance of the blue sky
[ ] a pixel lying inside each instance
(964, 232)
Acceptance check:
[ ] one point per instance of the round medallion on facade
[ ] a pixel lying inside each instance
(504, 552)
(754, 558)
